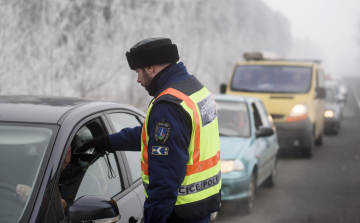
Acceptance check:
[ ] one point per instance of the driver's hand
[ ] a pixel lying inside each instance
(24, 192)
(64, 204)
(100, 143)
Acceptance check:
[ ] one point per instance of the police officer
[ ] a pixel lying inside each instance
(179, 140)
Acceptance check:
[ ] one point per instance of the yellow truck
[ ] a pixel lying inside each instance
(293, 93)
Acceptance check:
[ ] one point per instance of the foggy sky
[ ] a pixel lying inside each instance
(330, 24)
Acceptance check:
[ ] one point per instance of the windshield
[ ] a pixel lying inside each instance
(330, 95)
(22, 149)
(277, 79)
(233, 119)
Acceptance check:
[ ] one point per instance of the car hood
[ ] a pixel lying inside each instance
(233, 147)
(331, 106)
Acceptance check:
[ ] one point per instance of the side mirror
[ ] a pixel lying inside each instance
(340, 98)
(320, 92)
(264, 131)
(223, 88)
(94, 209)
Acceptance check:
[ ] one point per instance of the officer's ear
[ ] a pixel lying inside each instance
(151, 70)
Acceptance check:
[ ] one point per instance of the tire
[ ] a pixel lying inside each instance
(327, 131)
(336, 129)
(309, 151)
(247, 205)
(319, 140)
(271, 180)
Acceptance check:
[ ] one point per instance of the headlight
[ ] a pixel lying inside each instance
(329, 114)
(342, 90)
(299, 110)
(298, 113)
(228, 166)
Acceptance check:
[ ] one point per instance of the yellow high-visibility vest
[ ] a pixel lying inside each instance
(199, 194)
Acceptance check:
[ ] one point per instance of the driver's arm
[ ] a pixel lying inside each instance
(24, 192)
(128, 139)
(64, 204)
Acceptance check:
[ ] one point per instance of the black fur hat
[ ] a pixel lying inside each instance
(152, 51)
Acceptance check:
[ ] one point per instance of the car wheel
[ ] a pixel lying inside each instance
(327, 131)
(271, 180)
(248, 204)
(308, 152)
(336, 128)
(319, 140)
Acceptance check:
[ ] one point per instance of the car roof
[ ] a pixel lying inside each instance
(38, 109)
(331, 84)
(279, 62)
(233, 98)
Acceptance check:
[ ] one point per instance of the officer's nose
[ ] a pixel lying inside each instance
(138, 79)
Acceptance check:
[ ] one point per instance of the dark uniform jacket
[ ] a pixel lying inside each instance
(166, 172)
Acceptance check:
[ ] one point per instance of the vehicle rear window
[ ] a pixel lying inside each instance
(272, 79)
(22, 150)
(233, 119)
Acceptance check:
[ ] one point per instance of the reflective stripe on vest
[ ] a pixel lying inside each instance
(197, 186)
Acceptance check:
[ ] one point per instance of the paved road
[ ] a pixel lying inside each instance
(323, 189)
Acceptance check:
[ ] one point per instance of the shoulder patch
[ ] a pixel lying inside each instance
(207, 109)
(159, 150)
(162, 132)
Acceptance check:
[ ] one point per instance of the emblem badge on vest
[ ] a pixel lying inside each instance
(162, 132)
(159, 150)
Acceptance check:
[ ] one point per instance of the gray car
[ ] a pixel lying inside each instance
(340, 83)
(334, 109)
(35, 136)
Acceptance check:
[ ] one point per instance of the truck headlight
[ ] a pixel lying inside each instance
(329, 114)
(299, 110)
(228, 166)
(298, 113)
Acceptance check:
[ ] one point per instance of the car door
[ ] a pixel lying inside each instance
(126, 119)
(319, 103)
(261, 145)
(270, 153)
(103, 175)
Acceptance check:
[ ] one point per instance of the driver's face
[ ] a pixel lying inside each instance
(67, 158)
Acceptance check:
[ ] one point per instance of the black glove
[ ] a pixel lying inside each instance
(100, 144)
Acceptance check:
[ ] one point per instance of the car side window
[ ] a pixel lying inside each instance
(101, 178)
(257, 118)
(96, 174)
(125, 120)
(320, 78)
(263, 114)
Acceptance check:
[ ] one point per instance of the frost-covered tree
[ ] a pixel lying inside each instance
(305, 49)
(77, 47)
(358, 28)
